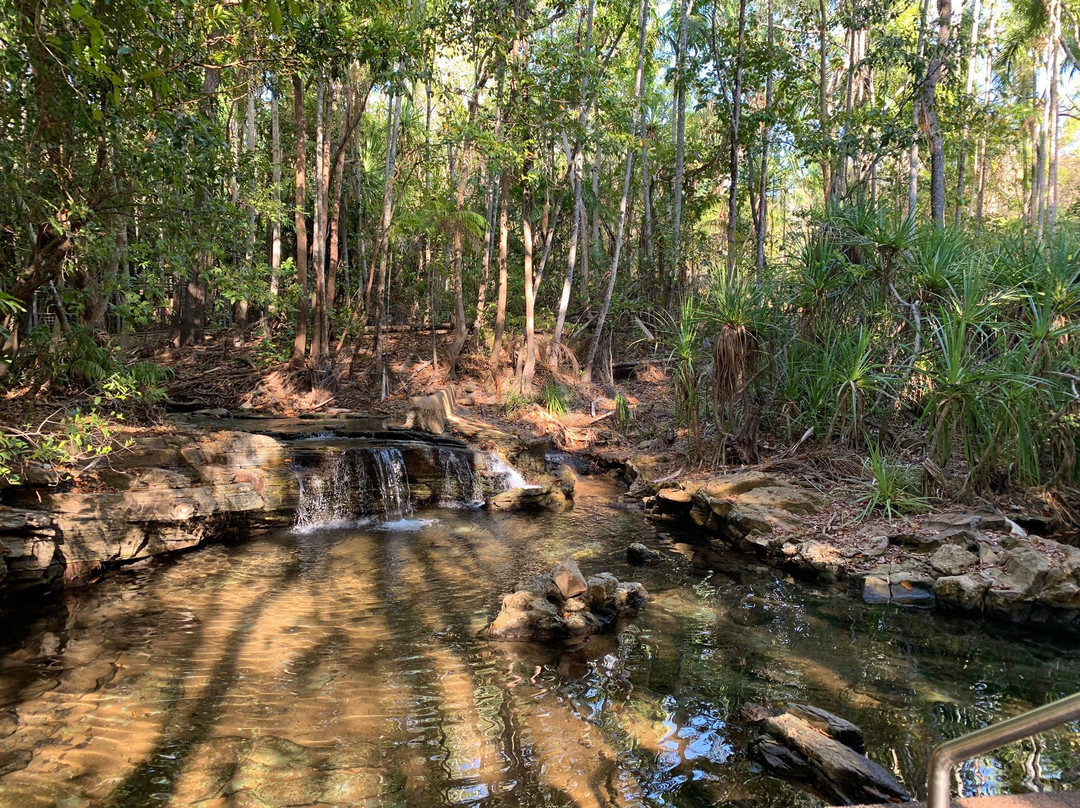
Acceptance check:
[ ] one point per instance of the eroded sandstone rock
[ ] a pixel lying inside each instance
(541, 610)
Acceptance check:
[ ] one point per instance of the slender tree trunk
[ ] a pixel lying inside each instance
(193, 292)
(300, 222)
(823, 100)
(530, 290)
(913, 160)
(766, 131)
(571, 259)
(1042, 138)
(639, 81)
(680, 151)
(981, 152)
(928, 120)
(961, 161)
(275, 226)
(458, 260)
(504, 244)
(492, 209)
(736, 113)
(384, 228)
(324, 124)
(240, 310)
(1054, 76)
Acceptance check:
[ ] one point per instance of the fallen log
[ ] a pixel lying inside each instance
(792, 746)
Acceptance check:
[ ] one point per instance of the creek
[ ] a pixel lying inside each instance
(339, 663)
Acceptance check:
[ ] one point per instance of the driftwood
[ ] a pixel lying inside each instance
(791, 746)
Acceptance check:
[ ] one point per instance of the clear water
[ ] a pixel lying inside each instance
(342, 667)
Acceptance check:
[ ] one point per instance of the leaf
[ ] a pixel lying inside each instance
(274, 11)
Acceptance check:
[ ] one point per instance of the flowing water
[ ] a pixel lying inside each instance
(341, 666)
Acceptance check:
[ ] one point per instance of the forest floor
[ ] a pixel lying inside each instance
(229, 373)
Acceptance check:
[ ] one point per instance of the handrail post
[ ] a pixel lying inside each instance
(987, 739)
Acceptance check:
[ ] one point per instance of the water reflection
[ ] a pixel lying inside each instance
(343, 667)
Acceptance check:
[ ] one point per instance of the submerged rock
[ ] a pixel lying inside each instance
(528, 498)
(562, 604)
(639, 555)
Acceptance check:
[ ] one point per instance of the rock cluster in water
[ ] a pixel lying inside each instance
(562, 603)
(962, 561)
(808, 743)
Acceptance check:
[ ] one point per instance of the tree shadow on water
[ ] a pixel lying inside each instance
(189, 724)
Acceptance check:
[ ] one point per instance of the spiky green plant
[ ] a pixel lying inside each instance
(553, 397)
(893, 489)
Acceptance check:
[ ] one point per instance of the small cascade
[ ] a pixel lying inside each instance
(393, 482)
(461, 487)
(505, 475)
(344, 486)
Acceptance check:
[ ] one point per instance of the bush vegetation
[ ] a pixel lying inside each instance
(957, 351)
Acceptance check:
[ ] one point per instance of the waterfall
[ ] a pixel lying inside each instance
(347, 485)
(461, 486)
(503, 473)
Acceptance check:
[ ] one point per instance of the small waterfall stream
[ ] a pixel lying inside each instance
(462, 486)
(342, 485)
(351, 484)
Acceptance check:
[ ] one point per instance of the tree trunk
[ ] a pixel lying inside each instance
(320, 350)
(928, 120)
(680, 151)
(913, 158)
(193, 291)
(766, 131)
(823, 100)
(736, 112)
(639, 81)
(300, 222)
(240, 310)
(504, 244)
(1054, 76)
(275, 226)
(384, 227)
(961, 161)
(458, 261)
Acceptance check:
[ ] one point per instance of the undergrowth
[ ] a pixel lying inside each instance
(872, 331)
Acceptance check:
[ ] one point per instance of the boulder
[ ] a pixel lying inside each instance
(430, 413)
(639, 555)
(1024, 573)
(164, 493)
(951, 559)
(569, 578)
(962, 592)
(540, 610)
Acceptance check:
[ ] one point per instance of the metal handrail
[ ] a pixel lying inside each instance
(981, 741)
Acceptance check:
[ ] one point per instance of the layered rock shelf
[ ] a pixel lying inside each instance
(167, 493)
(181, 488)
(975, 562)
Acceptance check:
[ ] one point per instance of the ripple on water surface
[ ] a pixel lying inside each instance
(342, 667)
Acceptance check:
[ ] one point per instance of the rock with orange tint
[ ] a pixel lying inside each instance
(563, 604)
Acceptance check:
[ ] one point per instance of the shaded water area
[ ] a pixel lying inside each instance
(342, 666)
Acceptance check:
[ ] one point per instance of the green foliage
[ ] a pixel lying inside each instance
(871, 327)
(513, 402)
(83, 362)
(894, 488)
(553, 397)
(681, 335)
(623, 413)
(81, 435)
